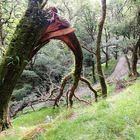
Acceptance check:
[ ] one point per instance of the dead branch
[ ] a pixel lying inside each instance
(89, 50)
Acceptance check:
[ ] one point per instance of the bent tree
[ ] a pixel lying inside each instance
(17, 55)
(35, 29)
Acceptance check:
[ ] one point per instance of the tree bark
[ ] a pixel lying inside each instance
(106, 51)
(98, 55)
(107, 56)
(1, 26)
(17, 56)
(129, 65)
(26, 42)
(135, 59)
(93, 70)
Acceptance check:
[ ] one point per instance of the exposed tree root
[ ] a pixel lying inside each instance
(71, 92)
(64, 82)
(5, 124)
(90, 87)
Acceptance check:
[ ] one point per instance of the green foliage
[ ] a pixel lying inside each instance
(54, 58)
(19, 94)
(29, 74)
(12, 11)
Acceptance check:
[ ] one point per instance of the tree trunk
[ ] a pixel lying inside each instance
(116, 53)
(135, 59)
(106, 51)
(98, 55)
(107, 56)
(18, 54)
(1, 28)
(129, 65)
(33, 29)
(93, 69)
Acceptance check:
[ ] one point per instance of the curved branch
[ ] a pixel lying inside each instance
(90, 87)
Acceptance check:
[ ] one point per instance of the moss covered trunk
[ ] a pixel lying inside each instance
(98, 55)
(18, 54)
(93, 70)
(73, 43)
(135, 59)
(1, 24)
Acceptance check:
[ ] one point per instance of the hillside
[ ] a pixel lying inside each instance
(116, 118)
(69, 70)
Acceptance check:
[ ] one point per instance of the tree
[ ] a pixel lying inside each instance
(18, 53)
(31, 34)
(98, 55)
(127, 17)
(1, 32)
(136, 47)
(135, 58)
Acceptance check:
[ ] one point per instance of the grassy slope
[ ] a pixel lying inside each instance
(117, 118)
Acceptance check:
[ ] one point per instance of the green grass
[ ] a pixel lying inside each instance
(35, 118)
(116, 118)
(113, 119)
(26, 122)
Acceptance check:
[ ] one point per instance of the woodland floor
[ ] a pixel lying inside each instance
(116, 118)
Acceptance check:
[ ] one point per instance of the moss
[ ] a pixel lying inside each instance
(21, 46)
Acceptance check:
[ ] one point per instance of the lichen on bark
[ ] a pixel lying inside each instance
(25, 38)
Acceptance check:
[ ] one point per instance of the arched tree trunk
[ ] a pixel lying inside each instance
(98, 55)
(74, 45)
(28, 38)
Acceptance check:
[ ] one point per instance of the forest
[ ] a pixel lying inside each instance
(69, 69)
